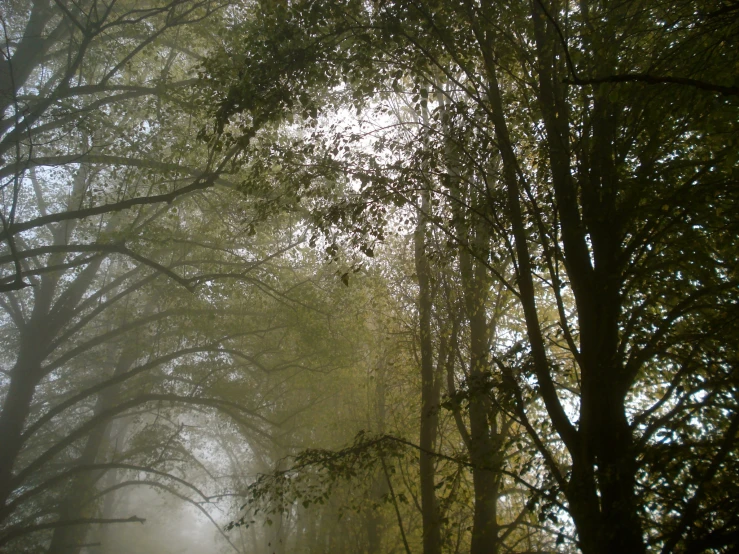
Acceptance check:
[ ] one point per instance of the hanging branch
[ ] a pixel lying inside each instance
(395, 505)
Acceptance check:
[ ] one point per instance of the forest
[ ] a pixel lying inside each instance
(369, 276)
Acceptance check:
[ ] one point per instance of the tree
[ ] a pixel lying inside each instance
(611, 199)
(118, 246)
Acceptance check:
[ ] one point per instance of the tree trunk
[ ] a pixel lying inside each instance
(374, 521)
(606, 449)
(429, 390)
(483, 440)
(24, 377)
(51, 312)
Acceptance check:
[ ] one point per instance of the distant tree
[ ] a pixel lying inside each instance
(120, 230)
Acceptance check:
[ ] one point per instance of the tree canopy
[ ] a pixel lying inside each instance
(408, 275)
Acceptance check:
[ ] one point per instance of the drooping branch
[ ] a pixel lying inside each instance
(101, 467)
(13, 534)
(48, 269)
(204, 181)
(331, 466)
(106, 248)
(106, 415)
(213, 347)
(173, 492)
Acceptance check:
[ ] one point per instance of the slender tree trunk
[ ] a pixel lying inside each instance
(484, 443)
(483, 440)
(117, 432)
(374, 518)
(429, 390)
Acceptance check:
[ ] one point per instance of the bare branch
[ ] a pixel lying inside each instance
(15, 533)
(204, 181)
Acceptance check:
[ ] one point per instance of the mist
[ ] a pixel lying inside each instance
(408, 276)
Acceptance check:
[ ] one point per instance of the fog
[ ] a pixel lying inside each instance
(171, 527)
(369, 277)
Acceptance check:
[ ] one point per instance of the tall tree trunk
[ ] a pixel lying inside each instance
(374, 520)
(600, 488)
(429, 389)
(36, 338)
(483, 440)
(24, 377)
(51, 312)
(28, 53)
(484, 450)
(607, 516)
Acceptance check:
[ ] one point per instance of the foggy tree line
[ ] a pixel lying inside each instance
(399, 276)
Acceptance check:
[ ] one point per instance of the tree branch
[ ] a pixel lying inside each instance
(15, 533)
(203, 182)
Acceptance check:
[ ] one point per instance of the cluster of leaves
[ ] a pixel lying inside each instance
(314, 474)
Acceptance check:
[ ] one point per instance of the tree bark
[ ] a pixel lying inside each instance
(374, 520)
(49, 315)
(606, 438)
(484, 440)
(24, 377)
(429, 389)
(28, 54)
